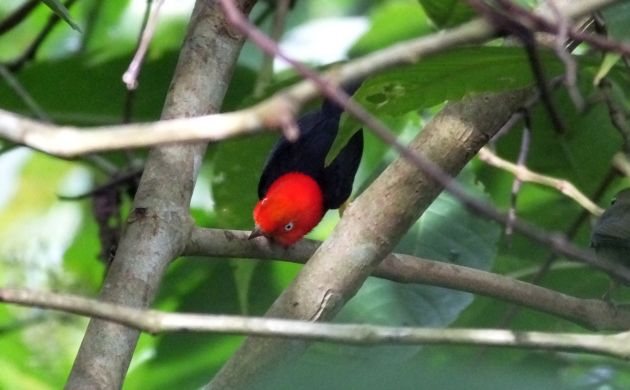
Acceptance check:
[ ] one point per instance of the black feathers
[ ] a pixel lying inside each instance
(308, 154)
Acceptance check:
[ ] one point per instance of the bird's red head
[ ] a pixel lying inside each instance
(292, 207)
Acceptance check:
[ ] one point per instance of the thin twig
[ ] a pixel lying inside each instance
(116, 181)
(560, 45)
(517, 183)
(545, 267)
(32, 49)
(538, 22)
(72, 141)
(525, 174)
(130, 77)
(152, 321)
(504, 21)
(131, 92)
(622, 163)
(18, 16)
(617, 112)
(91, 20)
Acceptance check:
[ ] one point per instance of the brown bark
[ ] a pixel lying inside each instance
(158, 228)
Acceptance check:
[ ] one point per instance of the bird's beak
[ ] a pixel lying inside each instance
(257, 232)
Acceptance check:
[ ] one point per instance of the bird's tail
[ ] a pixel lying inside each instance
(331, 108)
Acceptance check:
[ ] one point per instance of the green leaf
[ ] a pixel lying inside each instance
(444, 77)
(447, 13)
(451, 76)
(237, 168)
(58, 8)
(608, 63)
(617, 18)
(101, 96)
(583, 157)
(392, 22)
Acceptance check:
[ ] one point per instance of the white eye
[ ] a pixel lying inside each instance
(288, 227)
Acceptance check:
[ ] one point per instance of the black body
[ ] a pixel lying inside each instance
(308, 154)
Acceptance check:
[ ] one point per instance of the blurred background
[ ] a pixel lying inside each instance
(60, 219)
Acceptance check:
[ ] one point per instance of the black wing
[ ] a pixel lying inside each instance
(339, 175)
(306, 155)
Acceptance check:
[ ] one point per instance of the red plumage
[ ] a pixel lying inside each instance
(296, 187)
(293, 206)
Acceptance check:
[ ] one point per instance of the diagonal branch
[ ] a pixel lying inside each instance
(615, 345)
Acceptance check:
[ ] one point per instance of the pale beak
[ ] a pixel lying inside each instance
(257, 232)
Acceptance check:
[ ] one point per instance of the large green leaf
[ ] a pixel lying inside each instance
(582, 156)
(450, 76)
(444, 77)
(100, 97)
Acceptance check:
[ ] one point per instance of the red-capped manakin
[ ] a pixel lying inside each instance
(611, 234)
(296, 188)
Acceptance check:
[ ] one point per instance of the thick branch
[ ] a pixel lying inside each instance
(616, 345)
(157, 230)
(590, 313)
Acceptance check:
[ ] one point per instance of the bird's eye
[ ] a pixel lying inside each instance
(288, 227)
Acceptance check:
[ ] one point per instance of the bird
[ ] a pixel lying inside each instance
(611, 234)
(296, 188)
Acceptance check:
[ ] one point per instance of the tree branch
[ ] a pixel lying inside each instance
(157, 230)
(130, 77)
(152, 321)
(401, 268)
